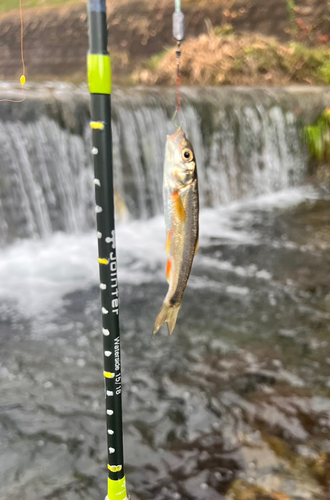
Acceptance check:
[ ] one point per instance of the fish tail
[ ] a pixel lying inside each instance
(167, 314)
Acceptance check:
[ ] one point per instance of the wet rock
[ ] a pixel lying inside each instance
(198, 487)
(288, 334)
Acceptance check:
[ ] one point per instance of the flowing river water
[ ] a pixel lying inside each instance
(236, 403)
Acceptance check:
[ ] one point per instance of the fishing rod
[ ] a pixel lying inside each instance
(178, 34)
(99, 79)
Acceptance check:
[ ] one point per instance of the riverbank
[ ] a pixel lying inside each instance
(140, 33)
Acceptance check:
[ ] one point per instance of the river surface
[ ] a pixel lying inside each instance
(235, 404)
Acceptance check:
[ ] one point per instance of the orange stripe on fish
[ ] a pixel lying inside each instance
(178, 207)
(168, 242)
(168, 270)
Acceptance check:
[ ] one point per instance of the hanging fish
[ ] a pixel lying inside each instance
(181, 207)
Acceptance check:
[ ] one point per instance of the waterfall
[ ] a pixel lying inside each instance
(246, 143)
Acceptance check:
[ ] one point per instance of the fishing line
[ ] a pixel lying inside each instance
(178, 80)
(178, 34)
(22, 78)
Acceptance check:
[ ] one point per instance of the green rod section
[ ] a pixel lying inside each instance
(177, 4)
(99, 79)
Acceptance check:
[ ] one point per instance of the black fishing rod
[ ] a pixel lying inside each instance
(99, 79)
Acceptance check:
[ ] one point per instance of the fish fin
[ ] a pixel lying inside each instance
(168, 242)
(168, 270)
(172, 317)
(178, 206)
(196, 246)
(167, 314)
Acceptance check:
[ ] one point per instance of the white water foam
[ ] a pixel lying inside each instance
(36, 274)
(245, 144)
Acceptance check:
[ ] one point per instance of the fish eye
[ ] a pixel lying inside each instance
(187, 155)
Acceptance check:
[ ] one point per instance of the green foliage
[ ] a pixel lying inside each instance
(290, 6)
(309, 64)
(318, 138)
(325, 72)
(155, 60)
(224, 30)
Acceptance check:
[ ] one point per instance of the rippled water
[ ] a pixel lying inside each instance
(237, 398)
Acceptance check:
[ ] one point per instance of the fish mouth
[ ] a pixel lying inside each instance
(173, 143)
(176, 134)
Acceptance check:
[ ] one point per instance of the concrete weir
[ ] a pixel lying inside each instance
(247, 142)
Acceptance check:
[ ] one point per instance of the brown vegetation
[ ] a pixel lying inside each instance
(222, 57)
(55, 39)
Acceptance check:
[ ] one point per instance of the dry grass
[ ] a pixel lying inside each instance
(221, 58)
(8, 5)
